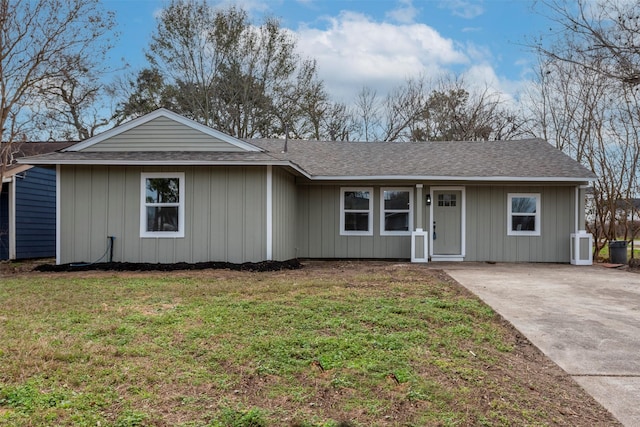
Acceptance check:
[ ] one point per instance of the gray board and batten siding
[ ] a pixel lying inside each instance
(319, 228)
(225, 219)
(486, 225)
(224, 208)
(285, 215)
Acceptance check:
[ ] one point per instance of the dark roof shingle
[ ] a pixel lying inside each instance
(497, 160)
(530, 158)
(27, 149)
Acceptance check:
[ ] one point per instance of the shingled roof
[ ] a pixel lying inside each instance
(25, 149)
(528, 160)
(154, 158)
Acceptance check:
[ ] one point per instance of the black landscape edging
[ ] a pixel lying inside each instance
(292, 264)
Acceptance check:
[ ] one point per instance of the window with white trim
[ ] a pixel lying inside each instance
(162, 204)
(396, 211)
(523, 214)
(356, 211)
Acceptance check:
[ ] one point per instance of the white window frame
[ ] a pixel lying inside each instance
(369, 231)
(510, 231)
(383, 211)
(143, 205)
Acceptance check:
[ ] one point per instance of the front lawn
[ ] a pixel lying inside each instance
(332, 344)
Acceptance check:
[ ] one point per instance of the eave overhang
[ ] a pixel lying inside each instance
(179, 162)
(13, 170)
(453, 178)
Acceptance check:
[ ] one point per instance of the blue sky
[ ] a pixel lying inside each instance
(380, 43)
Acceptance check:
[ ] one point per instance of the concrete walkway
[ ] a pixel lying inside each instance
(584, 318)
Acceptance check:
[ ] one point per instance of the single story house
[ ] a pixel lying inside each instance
(165, 189)
(28, 204)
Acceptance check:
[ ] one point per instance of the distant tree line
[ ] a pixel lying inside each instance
(215, 66)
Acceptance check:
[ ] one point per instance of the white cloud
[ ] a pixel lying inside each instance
(353, 51)
(483, 77)
(467, 9)
(404, 14)
(478, 53)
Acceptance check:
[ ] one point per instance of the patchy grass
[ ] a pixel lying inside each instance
(333, 344)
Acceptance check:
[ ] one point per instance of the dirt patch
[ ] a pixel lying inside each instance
(22, 266)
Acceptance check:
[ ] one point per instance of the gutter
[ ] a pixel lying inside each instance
(452, 178)
(299, 169)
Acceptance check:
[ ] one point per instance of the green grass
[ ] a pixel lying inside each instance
(390, 347)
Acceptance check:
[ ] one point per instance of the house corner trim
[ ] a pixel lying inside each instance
(269, 208)
(12, 218)
(58, 216)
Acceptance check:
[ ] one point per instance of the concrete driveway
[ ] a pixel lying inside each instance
(584, 318)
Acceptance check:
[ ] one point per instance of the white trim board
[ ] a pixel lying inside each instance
(463, 225)
(269, 215)
(12, 219)
(517, 179)
(58, 215)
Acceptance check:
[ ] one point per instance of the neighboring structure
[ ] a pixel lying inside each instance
(28, 205)
(169, 190)
(628, 209)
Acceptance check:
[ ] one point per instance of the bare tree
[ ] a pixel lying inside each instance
(593, 118)
(338, 123)
(588, 101)
(215, 66)
(75, 104)
(40, 41)
(448, 110)
(457, 112)
(404, 108)
(368, 111)
(602, 36)
(303, 102)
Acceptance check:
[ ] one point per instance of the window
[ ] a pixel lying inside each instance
(162, 205)
(396, 211)
(523, 217)
(356, 215)
(448, 200)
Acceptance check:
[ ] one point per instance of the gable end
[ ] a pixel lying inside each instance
(163, 130)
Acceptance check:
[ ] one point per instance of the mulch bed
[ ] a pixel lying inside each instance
(292, 264)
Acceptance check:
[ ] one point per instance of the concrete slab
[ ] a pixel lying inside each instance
(584, 318)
